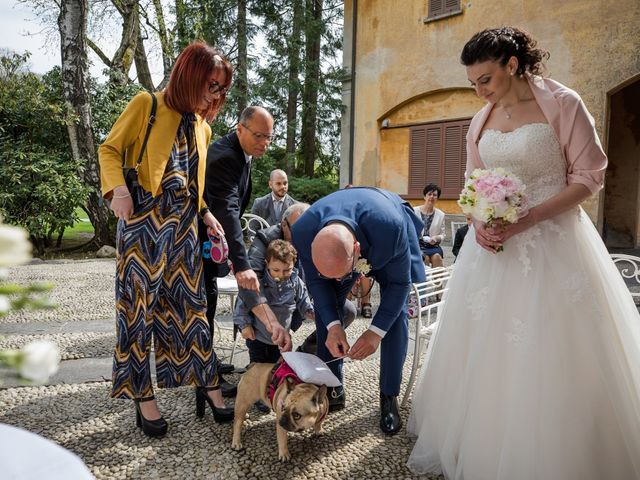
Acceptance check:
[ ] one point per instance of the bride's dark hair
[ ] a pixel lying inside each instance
(500, 44)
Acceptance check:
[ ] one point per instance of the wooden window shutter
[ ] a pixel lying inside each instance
(451, 6)
(417, 159)
(452, 160)
(434, 155)
(438, 154)
(436, 7)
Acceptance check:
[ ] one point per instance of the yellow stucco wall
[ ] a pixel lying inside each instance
(400, 61)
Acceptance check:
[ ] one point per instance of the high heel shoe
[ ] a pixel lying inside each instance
(151, 428)
(220, 415)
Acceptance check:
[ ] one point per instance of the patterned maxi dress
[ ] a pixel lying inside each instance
(159, 288)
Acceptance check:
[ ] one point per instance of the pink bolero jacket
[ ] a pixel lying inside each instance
(573, 125)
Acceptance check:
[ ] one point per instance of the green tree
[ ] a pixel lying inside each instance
(40, 185)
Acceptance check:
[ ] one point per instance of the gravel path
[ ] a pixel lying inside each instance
(79, 414)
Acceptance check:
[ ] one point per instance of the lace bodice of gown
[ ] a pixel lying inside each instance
(530, 152)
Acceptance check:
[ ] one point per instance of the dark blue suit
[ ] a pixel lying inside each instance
(387, 229)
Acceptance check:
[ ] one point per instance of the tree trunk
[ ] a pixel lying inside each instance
(241, 70)
(313, 34)
(72, 23)
(142, 65)
(293, 48)
(125, 55)
(166, 42)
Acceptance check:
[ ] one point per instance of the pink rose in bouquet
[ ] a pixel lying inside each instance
(494, 196)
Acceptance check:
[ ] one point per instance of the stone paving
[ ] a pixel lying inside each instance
(75, 409)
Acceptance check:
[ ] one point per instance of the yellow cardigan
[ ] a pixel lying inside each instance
(127, 135)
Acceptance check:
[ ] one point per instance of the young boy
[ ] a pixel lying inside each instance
(283, 290)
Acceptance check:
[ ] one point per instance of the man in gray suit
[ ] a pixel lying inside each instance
(273, 204)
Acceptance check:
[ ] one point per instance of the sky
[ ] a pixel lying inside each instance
(20, 31)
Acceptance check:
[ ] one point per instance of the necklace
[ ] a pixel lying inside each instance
(507, 113)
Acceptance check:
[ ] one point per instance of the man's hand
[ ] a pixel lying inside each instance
(214, 225)
(280, 336)
(337, 341)
(367, 344)
(248, 280)
(248, 333)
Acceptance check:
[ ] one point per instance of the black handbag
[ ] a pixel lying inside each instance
(131, 173)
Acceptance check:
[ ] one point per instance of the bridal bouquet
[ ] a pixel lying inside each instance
(494, 196)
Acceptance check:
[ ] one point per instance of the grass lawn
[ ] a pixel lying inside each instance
(81, 230)
(79, 234)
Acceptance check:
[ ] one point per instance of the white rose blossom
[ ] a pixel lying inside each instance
(5, 304)
(15, 248)
(39, 360)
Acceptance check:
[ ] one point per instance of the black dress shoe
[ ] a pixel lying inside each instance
(226, 368)
(390, 420)
(151, 428)
(336, 397)
(220, 415)
(310, 344)
(228, 389)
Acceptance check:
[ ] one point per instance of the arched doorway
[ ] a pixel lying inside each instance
(622, 185)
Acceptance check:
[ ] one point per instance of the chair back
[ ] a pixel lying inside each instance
(250, 224)
(629, 267)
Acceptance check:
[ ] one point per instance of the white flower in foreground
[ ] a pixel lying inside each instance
(15, 248)
(5, 304)
(39, 360)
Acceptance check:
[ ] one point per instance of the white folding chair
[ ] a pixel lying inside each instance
(250, 224)
(430, 296)
(228, 286)
(629, 267)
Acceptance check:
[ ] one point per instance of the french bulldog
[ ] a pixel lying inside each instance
(297, 407)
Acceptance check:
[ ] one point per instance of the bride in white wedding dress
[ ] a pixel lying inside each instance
(534, 371)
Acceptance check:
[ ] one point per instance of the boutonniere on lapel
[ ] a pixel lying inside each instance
(362, 266)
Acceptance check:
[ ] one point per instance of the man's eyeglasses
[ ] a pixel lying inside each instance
(349, 274)
(259, 136)
(216, 89)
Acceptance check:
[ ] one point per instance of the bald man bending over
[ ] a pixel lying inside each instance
(349, 228)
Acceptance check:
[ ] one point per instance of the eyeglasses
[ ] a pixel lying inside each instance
(216, 89)
(259, 136)
(349, 274)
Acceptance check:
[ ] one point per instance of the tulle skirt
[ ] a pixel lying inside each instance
(534, 370)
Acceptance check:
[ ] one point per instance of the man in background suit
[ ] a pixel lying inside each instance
(345, 233)
(273, 204)
(227, 193)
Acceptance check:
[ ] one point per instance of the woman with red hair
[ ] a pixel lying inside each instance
(159, 288)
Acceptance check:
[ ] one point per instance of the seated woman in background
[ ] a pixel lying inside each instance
(433, 233)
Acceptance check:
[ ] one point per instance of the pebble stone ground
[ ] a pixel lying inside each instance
(75, 409)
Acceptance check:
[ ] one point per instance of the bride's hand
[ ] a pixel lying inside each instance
(512, 229)
(486, 238)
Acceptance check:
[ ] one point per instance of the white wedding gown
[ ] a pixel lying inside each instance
(534, 371)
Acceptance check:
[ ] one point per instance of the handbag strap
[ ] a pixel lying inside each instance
(152, 119)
